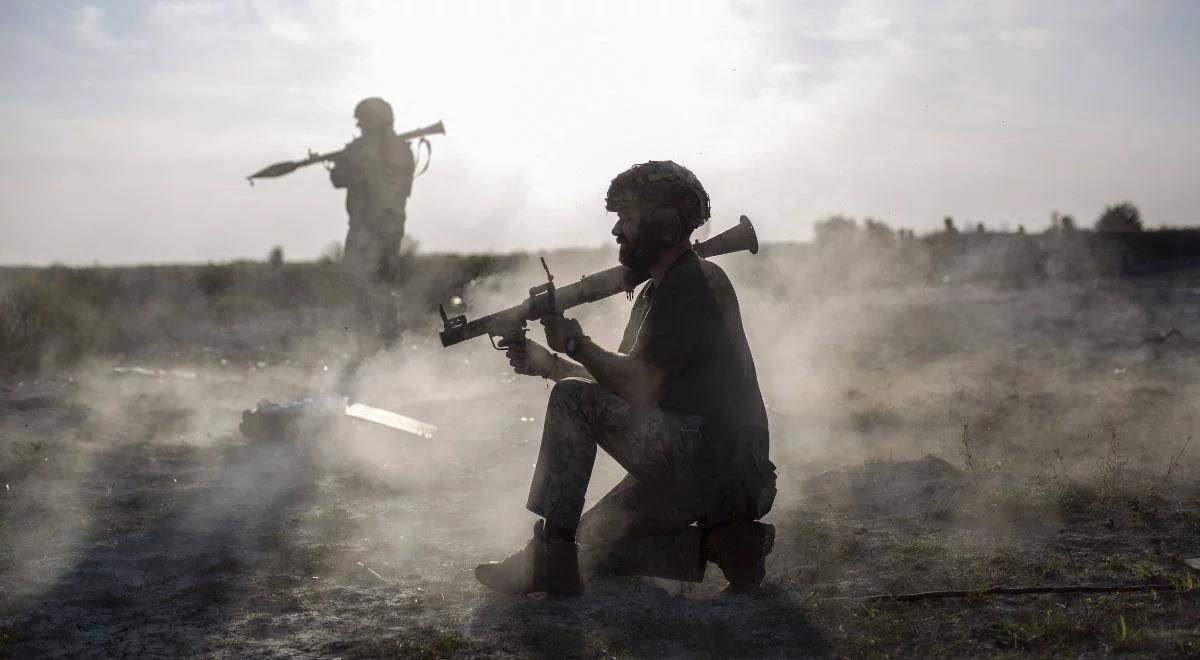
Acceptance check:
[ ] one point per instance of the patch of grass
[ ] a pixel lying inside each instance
(1111, 472)
(1174, 463)
(1186, 583)
(971, 460)
(1115, 496)
(1076, 499)
(1049, 567)
(1105, 623)
(1124, 635)
(972, 441)
(1115, 562)
(44, 322)
(1056, 629)
(1148, 571)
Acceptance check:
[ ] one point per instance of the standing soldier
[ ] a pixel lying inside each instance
(377, 171)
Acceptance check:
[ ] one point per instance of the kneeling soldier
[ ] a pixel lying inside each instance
(677, 405)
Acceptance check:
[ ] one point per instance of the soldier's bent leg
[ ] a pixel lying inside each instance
(566, 457)
(634, 530)
(646, 441)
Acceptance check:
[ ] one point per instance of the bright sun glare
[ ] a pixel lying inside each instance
(563, 93)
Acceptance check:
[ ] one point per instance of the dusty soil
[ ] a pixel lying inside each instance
(926, 439)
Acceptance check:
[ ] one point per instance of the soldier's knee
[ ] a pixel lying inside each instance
(572, 390)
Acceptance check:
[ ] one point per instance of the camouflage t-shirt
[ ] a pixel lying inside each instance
(691, 326)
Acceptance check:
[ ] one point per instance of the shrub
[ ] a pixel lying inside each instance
(1119, 218)
(43, 323)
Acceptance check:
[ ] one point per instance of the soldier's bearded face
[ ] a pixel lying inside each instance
(638, 248)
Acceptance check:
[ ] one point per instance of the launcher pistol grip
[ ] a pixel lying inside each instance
(508, 339)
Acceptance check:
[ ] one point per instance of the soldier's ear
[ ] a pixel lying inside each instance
(668, 225)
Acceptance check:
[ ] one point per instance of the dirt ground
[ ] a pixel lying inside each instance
(948, 438)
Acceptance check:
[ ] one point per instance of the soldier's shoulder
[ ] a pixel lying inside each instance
(699, 281)
(693, 268)
(710, 266)
(402, 150)
(713, 273)
(718, 284)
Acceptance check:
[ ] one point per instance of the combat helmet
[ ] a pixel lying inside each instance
(374, 112)
(658, 184)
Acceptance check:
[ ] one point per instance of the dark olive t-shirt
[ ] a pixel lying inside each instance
(690, 326)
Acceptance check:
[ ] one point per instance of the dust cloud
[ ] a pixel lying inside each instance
(960, 425)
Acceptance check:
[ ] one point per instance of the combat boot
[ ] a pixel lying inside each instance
(549, 565)
(740, 550)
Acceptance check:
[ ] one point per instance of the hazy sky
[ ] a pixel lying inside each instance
(127, 127)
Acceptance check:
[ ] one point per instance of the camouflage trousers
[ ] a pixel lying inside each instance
(368, 260)
(643, 526)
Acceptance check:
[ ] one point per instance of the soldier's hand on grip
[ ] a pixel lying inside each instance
(530, 359)
(559, 329)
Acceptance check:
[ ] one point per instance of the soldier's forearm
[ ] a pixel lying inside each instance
(636, 381)
(564, 368)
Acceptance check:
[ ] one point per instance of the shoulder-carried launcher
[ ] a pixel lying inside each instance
(289, 166)
(507, 327)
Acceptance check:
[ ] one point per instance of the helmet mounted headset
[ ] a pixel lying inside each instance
(668, 194)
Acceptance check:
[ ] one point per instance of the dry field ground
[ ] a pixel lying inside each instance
(926, 438)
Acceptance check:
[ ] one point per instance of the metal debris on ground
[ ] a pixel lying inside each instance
(1194, 562)
(373, 572)
(390, 419)
(274, 421)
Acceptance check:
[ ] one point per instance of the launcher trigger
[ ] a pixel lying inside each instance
(502, 343)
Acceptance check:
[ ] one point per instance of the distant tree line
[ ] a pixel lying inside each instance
(872, 253)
